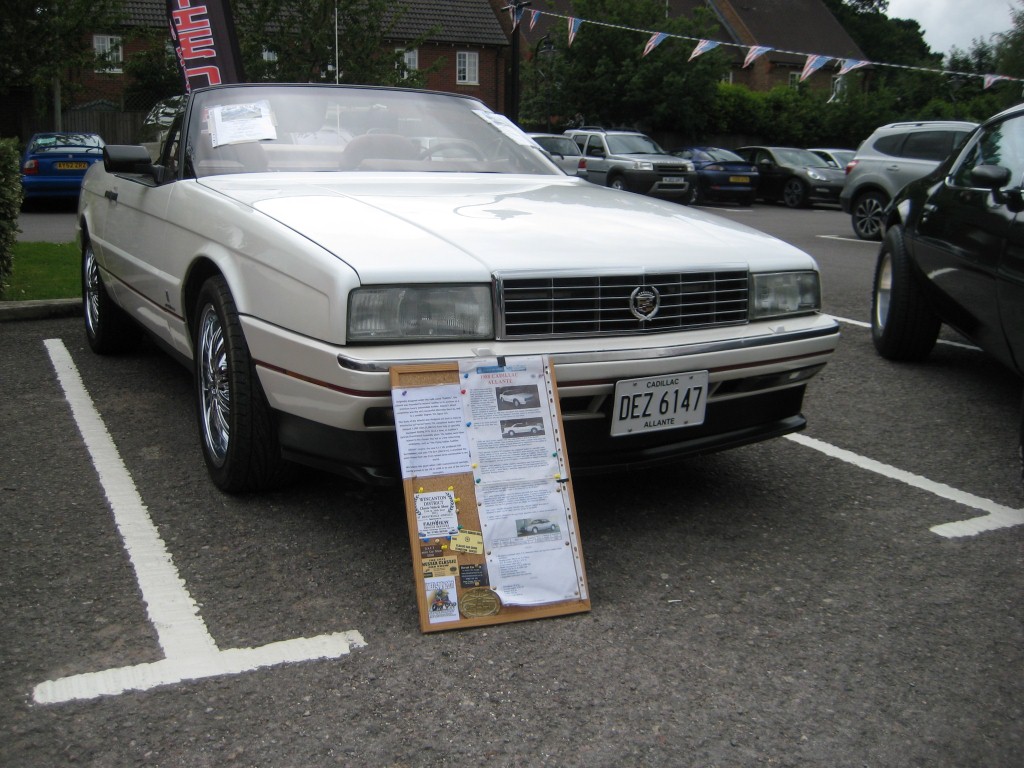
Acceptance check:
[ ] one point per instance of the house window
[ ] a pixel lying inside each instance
(411, 58)
(108, 49)
(467, 68)
(794, 80)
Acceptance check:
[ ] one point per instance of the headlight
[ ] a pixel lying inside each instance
(816, 175)
(785, 293)
(420, 313)
(643, 165)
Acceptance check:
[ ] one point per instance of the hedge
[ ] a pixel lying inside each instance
(10, 206)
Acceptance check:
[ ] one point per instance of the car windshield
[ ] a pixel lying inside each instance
(633, 144)
(249, 129)
(60, 142)
(723, 155)
(801, 157)
(558, 145)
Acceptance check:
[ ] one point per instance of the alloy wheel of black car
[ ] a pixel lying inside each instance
(238, 437)
(903, 326)
(794, 194)
(867, 215)
(107, 328)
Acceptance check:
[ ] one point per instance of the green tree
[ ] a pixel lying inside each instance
(605, 78)
(294, 41)
(153, 71)
(1009, 46)
(44, 43)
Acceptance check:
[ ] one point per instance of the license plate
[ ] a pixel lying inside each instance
(674, 179)
(659, 402)
(72, 166)
(739, 179)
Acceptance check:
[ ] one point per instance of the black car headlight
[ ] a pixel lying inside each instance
(784, 293)
(414, 313)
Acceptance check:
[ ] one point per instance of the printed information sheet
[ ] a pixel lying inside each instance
(488, 493)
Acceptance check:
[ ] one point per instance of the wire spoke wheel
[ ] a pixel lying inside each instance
(214, 386)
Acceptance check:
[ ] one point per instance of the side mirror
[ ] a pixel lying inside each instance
(995, 178)
(131, 158)
(992, 177)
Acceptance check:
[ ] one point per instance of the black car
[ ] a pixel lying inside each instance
(953, 252)
(721, 174)
(795, 176)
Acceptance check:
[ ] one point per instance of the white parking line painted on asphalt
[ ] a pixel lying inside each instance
(848, 239)
(860, 324)
(190, 652)
(996, 515)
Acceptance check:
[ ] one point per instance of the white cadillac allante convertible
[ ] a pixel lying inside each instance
(290, 243)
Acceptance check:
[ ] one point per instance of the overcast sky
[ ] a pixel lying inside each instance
(955, 22)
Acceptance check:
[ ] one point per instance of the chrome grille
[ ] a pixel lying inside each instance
(592, 306)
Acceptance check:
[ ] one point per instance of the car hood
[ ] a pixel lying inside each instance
(655, 158)
(467, 227)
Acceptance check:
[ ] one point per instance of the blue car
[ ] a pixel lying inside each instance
(54, 163)
(721, 175)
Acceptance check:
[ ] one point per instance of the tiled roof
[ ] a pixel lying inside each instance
(455, 21)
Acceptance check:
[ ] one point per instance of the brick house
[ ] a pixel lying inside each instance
(464, 36)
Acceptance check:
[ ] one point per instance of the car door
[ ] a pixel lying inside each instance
(596, 152)
(772, 175)
(139, 246)
(963, 240)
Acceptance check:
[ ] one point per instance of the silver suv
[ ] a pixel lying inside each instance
(633, 161)
(892, 157)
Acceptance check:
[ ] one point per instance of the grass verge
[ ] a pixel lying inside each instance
(44, 271)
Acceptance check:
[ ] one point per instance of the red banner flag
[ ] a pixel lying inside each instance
(203, 34)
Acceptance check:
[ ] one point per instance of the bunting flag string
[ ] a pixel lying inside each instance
(656, 38)
(851, 64)
(702, 47)
(534, 15)
(813, 64)
(574, 27)
(754, 52)
(813, 60)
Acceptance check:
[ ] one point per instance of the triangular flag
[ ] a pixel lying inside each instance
(574, 27)
(534, 15)
(702, 47)
(991, 80)
(813, 64)
(754, 52)
(517, 15)
(851, 64)
(653, 43)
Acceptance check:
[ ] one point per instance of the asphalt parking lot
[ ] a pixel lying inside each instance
(849, 596)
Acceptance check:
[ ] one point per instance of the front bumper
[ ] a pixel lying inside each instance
(333, 405)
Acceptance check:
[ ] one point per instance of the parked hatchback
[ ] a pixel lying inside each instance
(892, 157)
(953, 252)
(797, 177)
(721, 174)
(54, 164)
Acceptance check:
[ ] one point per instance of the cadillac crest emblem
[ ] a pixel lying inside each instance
(644, 302)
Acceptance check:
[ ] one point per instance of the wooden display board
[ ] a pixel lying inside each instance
(489, 500)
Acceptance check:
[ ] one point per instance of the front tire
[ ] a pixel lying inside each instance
(866, 215)
(617, 182)
(236, 429)
(903, 325)
(794, 194)
(107, 328)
